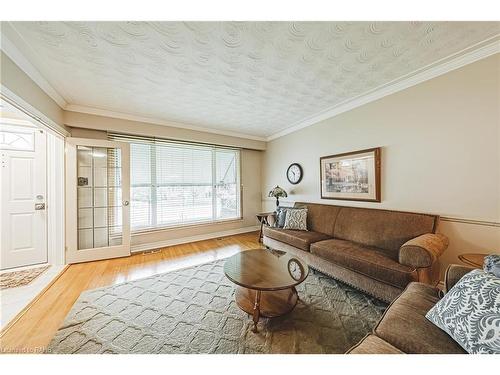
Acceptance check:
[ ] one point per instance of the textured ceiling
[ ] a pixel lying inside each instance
(256, 78)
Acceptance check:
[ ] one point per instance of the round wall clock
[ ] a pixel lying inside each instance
(294, 173)
(295, 269)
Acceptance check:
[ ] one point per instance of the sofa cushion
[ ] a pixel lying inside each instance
(369, 261)
(298, 238)
(372, 344)
(384, 229)
(404, 324)
(320, 217)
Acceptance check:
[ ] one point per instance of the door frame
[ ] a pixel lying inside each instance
(55, 199)
(73, 255)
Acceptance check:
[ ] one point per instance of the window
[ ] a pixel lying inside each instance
(176, 184)
(17, 138)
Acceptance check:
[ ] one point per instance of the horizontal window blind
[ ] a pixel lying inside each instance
(180, 183)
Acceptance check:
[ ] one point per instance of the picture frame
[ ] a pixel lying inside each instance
(351, 176)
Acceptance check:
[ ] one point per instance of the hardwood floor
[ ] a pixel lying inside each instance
(34, 330)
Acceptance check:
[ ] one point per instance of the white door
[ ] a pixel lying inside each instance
(97, 199)
(23, 192)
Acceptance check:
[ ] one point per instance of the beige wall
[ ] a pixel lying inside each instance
(95, 122)
(440, 153)
(251, 201)
(14, 79)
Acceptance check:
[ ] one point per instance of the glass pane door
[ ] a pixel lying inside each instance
(99, 196)
(95, 172)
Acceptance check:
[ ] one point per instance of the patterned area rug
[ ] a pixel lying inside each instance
(20, 278)
(193, 311)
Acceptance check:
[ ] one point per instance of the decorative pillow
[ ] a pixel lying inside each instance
(470, 313)
(280, 217)
(492, 264)
(296, 219)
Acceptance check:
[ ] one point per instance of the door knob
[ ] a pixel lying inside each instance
(39, 206)
(125, 203)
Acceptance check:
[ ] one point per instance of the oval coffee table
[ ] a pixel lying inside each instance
(266, 281)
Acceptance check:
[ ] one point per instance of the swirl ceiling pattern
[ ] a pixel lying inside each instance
(255, 78)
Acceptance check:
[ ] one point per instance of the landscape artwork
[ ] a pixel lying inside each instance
(351, 176)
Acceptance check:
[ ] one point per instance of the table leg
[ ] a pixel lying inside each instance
(260, 232)
(256, 310)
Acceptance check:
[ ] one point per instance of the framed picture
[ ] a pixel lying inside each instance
(351, 176)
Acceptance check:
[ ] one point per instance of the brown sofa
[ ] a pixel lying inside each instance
(377, 251)
(404, 329)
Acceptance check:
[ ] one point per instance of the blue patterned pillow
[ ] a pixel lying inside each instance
(281, 215)
(470, 313)
(492, 264)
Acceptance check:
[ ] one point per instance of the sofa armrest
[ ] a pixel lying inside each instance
(423, 251)
(453, 273)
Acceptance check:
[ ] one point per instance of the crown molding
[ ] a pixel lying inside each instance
(467, 56)
(471, 54)
(20, 104)
(156, 121)
(9, 39)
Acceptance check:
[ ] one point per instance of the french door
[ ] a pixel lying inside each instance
(97, 199)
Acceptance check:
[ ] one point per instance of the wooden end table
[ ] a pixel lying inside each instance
(265, 282)
(471, 259)
(262, 217)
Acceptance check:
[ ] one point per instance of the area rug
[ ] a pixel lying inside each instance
(20, 278)
(193, 311)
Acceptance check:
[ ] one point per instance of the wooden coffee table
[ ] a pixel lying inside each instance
(266, 281)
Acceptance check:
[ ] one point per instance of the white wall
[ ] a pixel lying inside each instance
(440, 153)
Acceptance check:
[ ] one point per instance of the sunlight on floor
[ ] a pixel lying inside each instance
(167, 265)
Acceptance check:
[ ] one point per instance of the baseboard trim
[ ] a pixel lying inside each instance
(200, 237)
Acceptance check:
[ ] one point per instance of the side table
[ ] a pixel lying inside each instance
(262, 217)
(471, 259)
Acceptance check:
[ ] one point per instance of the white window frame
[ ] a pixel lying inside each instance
(159, 227)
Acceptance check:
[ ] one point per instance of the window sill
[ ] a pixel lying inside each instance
(139, 232)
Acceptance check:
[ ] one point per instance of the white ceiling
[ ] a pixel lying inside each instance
(253, 78)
